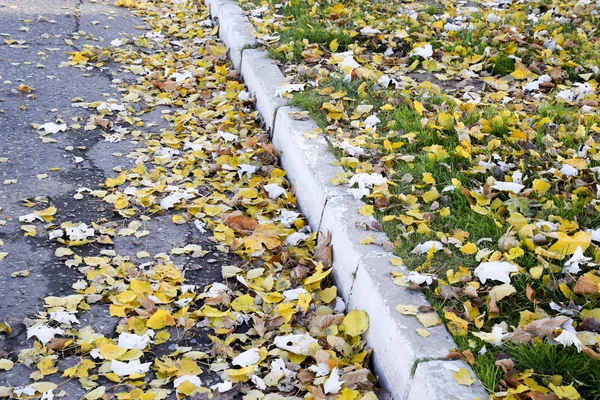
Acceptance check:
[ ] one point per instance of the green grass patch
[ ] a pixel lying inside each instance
(547, 361)
(502, 65)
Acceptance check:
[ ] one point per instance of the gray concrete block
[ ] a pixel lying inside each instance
(263, 77)
(308, 163)
(399, 345)
(213, 6)
(235, 31)
(434, 381)
(342, 219)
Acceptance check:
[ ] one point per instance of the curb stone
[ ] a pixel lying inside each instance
(308, 163)
(431, 378)
(263, 77)
(234, 29)
(408, 365)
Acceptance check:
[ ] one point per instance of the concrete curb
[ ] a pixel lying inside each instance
(409, 366)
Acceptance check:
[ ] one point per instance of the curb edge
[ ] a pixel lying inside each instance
(405, 374)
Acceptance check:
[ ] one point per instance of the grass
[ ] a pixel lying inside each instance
(559, 113)
(309, 28)
(502, 65)
(487, 371)
(550, 363)
(574, 368)
(494, 121)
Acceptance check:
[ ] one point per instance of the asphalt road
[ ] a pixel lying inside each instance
(36, 37)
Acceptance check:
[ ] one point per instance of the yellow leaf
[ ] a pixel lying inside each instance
(429, 319)
(29, 230)
(502, 291)
(431, 195)
(63, 252)
(161, 337)
(428, 178)
(397, 261)
(463, 377)
(6, 364)
(446, 121)
(160, 319)
(46, 365)
(366, 210)
(423, 332)
(521, 72)
(565, 392)
(47, 213)
(111, 351)
(407, 309)
(178, 219)
(456, 325)
(96, 393)
(328, 295)
(318, 276)
(469, 248)
(304, 300)
(355, 323)
(436, 152)
(218, 50)
(367, 240)
(540, 186)
(567, 245)
(536, 272)
(243, 304)
(387, 145)
(566, 291)
(264, 234)
(333, 46)
(273, 297)
(418, 107)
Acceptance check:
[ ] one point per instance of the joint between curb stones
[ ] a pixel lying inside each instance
(354, 274)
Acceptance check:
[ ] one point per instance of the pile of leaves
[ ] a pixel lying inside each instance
(469, 129)
(278, 328)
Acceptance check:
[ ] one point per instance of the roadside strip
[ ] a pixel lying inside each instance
(408, 365)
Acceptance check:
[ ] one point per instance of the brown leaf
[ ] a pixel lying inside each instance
(168, 86)
(241, 223)
(540, 396)
(545, 326)
(104, 123)
(493, 306)
(299, 272)
(455, 355)
(57, 343)
(275, 323)
(305, 376)
(530, 293)
(359, 378)
(322, 322)
(147, 303)
(323, 251)
(505, 364)
(382, 202)
(512, 381)
(450, 292)
(259, 325)
(219, 300)
(470, 358)
(591, 353)
(585, 285)
(519, 336)
(589, 324)
(233, 393)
